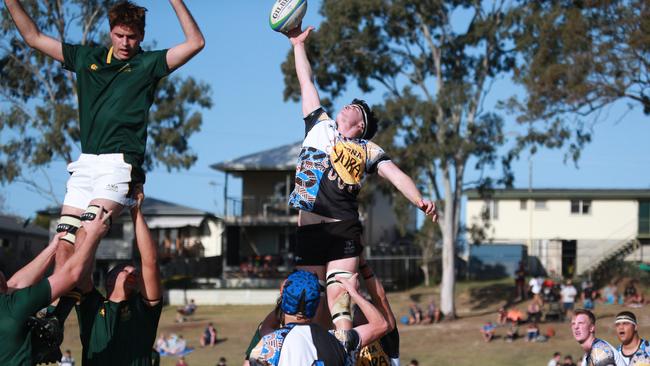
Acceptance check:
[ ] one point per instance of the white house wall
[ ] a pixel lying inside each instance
(608, 220)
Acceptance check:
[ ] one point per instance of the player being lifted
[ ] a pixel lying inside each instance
(336, 155)
(115, 91)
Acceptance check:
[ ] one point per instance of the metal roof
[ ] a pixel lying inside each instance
(19, 225)
(560, 193)
(282, 158)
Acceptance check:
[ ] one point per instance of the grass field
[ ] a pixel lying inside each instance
(456, 342)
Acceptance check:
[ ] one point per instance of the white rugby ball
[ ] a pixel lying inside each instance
(287, 14)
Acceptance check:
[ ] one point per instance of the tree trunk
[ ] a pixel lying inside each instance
(448, 284)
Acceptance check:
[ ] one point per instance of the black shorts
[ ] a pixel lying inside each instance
(321, 243)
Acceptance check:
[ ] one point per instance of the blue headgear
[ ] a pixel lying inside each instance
(301, 294)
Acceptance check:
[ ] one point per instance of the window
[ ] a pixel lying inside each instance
(492, 209)
(523, 204)
(580, 207)
(540, 204)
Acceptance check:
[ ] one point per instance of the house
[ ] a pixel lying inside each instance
(566, 231)
(186, 238)
(260, 226)
(20, 242)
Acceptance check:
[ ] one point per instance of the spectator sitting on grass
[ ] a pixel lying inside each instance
(532, 332)
(433, 313)
(502, 315)
(534, 311)
(209, 336)
(513, 331)
(488, 331)
(185, 311)
(515, 315)
(633, 297)
(415, 314)
(609, 294)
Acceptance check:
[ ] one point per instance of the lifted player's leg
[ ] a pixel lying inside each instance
(338, 299)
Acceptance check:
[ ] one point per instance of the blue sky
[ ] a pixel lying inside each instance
(241, 61)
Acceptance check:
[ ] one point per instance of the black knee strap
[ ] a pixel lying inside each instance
(91, 213)
(69, 224)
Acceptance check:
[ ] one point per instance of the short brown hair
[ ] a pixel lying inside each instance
(127, 14)
(586, 312)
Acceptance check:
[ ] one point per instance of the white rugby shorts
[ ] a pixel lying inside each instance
(105, 176)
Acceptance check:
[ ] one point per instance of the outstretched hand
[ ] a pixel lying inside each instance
(429, 209)
(297, 35)
(138, 196)
(99, 225)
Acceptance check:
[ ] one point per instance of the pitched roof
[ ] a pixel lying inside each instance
(150, 207)
(281, 158)
(19, 225)
(559, 193)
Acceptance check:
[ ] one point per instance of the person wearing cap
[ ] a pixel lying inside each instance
(633, 349)
(28, 291)
(336, 156)
(597, 351)
(121, 328)
(300, 342)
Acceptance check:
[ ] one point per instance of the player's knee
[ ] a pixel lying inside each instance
(70, 225)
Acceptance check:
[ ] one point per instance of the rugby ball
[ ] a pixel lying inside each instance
(287, 14)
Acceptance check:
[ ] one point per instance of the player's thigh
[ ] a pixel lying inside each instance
(79, 187)
(112, 183)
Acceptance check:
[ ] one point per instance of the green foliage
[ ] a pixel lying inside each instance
(38, 98)
(576, 58)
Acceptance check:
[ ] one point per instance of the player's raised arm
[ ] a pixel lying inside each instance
(310, 98)
(34, 270)
(151, 291)
(194, 41)
(406, 186)
(30, 33)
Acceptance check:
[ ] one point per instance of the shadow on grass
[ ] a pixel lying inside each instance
(490, 295)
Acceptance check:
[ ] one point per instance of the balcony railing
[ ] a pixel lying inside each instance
(260, 206)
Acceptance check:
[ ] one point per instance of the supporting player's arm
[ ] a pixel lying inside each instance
(83, 258)
(151, 291)
(35, 270)
(377, 325)
(310, 98)
(194, 41)
(406, 186)
(31, 34)
(377, 292)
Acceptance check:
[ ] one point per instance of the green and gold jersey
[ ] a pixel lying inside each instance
(117, 333)
(15, 308)
(114, 99)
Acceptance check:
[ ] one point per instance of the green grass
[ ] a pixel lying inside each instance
(456, 342)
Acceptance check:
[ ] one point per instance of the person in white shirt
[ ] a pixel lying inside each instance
(67, 359)
(597, 351)
(555, 361)
(568, 294)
